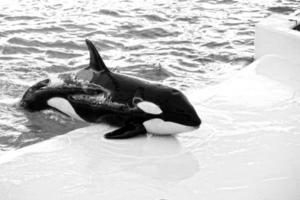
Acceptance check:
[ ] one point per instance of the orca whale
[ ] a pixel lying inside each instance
(97, 95)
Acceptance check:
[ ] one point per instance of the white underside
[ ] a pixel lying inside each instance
(161, 127)
(64, 106)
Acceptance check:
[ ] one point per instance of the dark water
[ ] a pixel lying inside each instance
(184, 44)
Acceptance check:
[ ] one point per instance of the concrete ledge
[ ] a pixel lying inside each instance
(275, 35)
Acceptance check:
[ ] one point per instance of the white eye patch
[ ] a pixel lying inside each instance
(149, 107)
(64, 106)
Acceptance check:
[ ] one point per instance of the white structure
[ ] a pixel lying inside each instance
(275, 35)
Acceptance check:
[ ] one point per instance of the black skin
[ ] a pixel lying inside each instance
(122, 94)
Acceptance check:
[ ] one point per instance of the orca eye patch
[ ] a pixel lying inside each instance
(149, 107)
(85, 75)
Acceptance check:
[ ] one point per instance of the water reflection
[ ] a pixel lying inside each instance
(84, 157)
(154, 156)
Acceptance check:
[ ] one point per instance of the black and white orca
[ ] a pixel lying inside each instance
(95, 94)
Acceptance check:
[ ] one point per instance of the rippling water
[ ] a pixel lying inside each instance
(184, 44)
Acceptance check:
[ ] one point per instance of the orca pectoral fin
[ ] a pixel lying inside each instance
(128, 131)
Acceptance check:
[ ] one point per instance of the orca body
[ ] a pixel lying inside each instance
(97, 95)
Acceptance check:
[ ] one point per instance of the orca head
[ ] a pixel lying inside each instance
(178, 109)
(172, 112)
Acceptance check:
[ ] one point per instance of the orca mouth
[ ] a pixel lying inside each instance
(98, 99)
(184, 118)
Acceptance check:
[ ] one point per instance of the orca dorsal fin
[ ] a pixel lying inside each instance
(96, 62)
